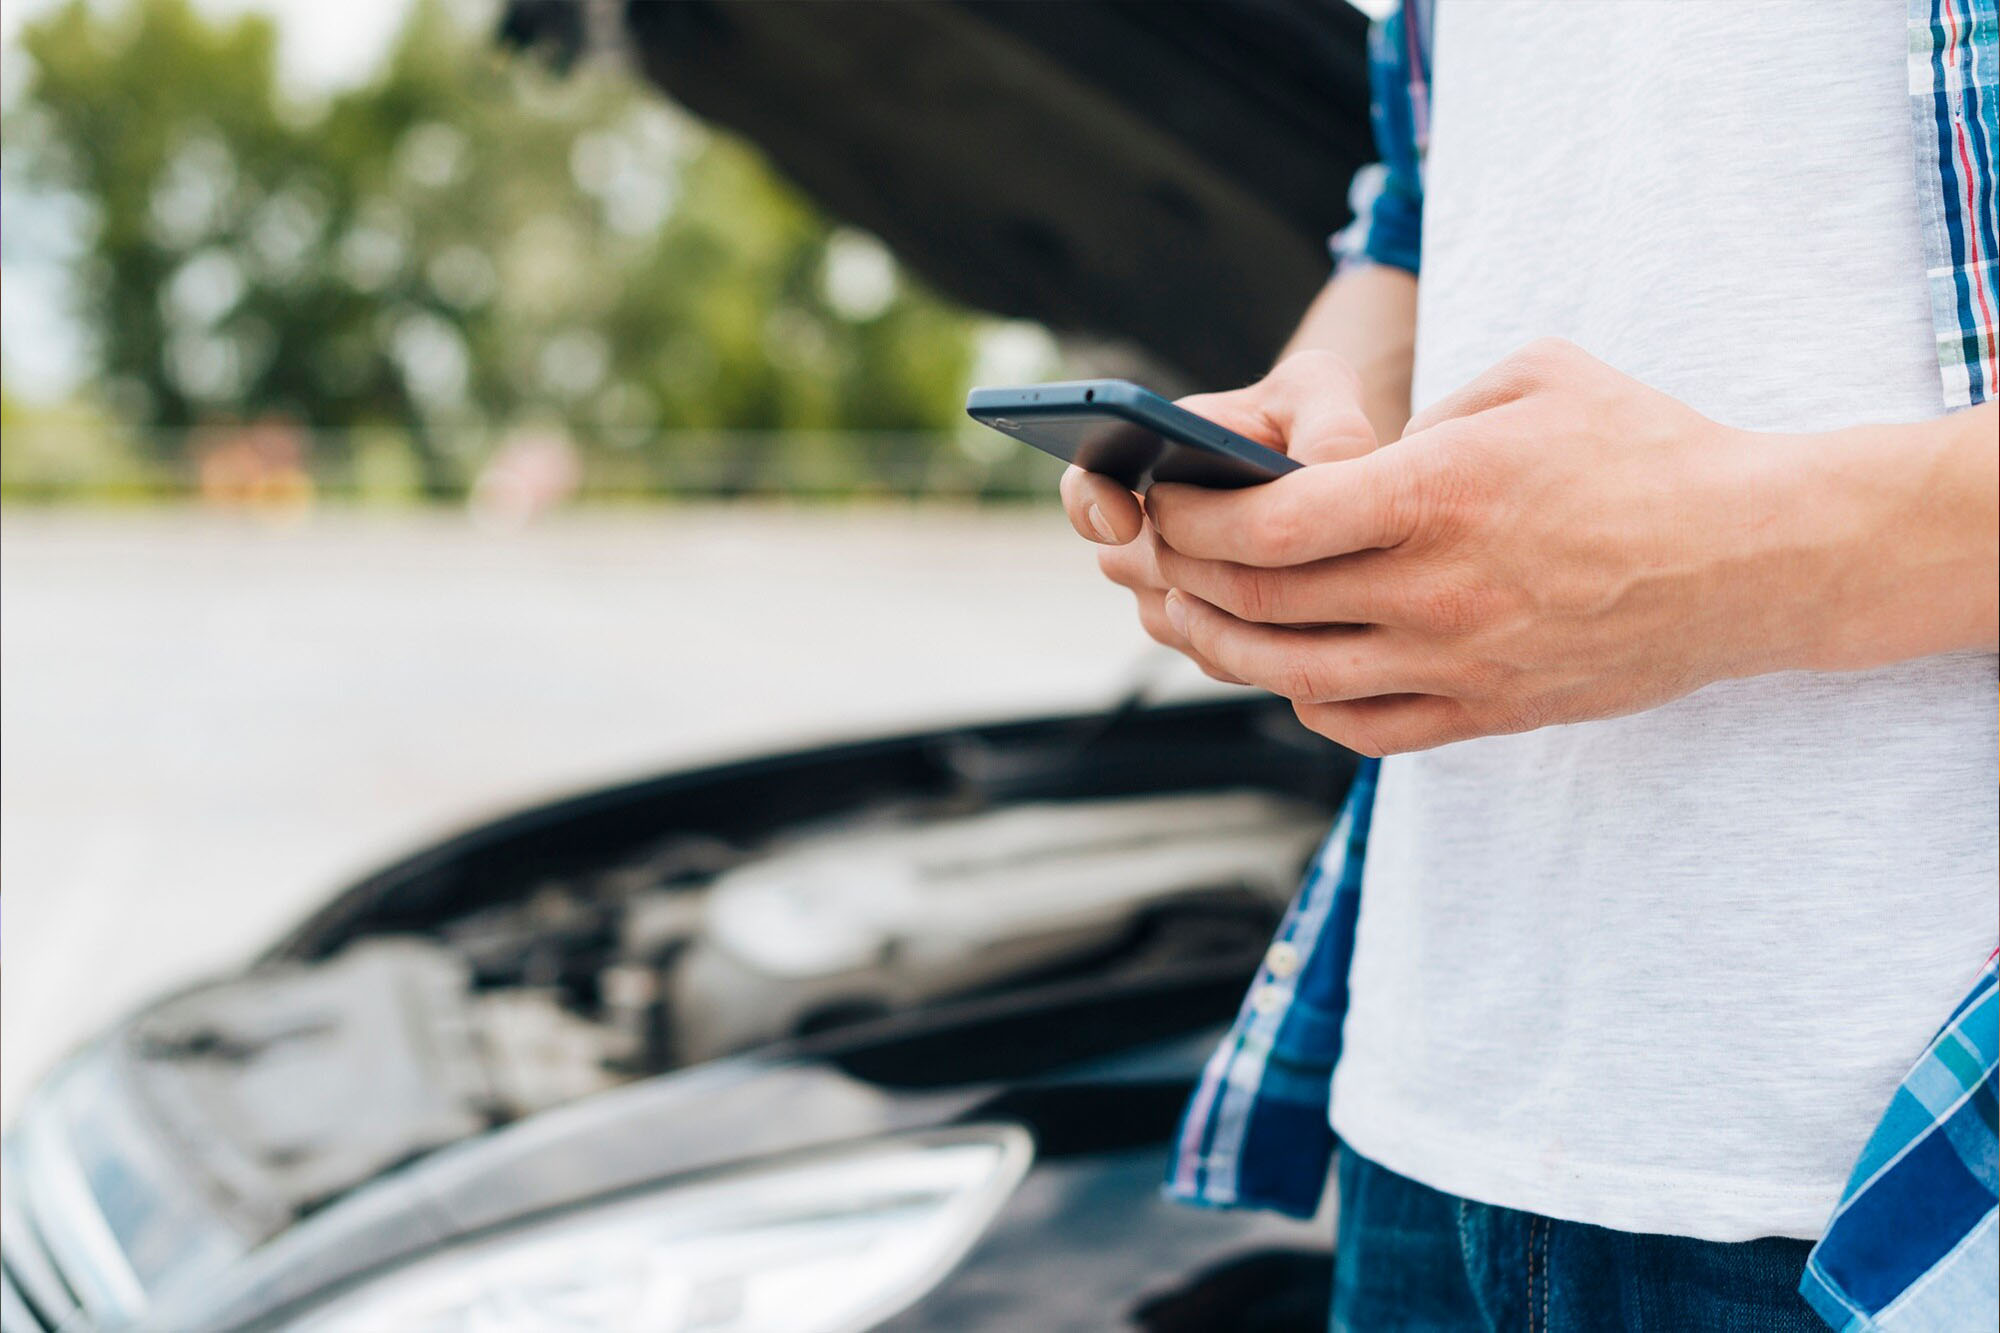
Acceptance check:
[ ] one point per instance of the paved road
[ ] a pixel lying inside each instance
(207, 723)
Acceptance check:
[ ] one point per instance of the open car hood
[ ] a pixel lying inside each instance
(1164, 174)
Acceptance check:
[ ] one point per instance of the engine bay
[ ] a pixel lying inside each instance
(307, 1076)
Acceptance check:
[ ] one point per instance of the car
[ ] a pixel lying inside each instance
(887, 1035)
(891, 1034)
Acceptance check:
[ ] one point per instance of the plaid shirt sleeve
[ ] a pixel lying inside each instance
(1952, 57)
(1912, 1245)
(1256, 1133)
(1388, 197)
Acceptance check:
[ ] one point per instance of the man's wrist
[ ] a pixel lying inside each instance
(1367, 315)
(1888, 549)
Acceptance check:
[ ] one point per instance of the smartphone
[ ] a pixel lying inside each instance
(1124, 432)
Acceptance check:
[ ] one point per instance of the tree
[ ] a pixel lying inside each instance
(468, 243)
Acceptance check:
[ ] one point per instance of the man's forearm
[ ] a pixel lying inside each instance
(1555, 542)
(1907, 513)
(1367, 315)
(1912, 517)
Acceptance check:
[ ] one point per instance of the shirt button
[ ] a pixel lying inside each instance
(1267, 998)
(1283, 959)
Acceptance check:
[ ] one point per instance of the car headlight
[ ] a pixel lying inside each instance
(822, 1244)
(99, 1218)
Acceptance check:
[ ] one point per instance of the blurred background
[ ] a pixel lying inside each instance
(273, 256)
(311, 312)
(415, 411)
(409, 411)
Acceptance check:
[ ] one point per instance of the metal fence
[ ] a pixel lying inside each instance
(281, 463)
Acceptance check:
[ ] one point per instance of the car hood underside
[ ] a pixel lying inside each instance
(1162, 174)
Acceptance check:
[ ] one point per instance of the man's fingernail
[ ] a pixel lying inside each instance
(1103, 525)
(1177, 612)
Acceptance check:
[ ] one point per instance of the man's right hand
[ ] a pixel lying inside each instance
(1292, 410)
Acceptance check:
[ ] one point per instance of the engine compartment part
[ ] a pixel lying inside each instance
(297, 1082)
(853, 924)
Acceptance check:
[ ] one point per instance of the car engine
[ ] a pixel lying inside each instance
(296, 1081)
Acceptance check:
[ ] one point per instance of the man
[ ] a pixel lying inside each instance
(1675, 604)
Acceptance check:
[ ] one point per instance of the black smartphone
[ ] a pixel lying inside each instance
(1129, 434)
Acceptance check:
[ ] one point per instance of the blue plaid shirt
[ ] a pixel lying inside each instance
(1915, 1242)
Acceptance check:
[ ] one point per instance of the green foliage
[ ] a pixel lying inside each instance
(466, 244)
(69, 448)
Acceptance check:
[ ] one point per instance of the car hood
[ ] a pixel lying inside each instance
(1161, 174)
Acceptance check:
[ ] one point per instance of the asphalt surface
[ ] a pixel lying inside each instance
(210, 722)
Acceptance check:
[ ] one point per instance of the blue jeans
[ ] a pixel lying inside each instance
(1410, 1258)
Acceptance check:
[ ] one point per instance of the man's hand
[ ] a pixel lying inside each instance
(1310, 407)
(1555, 543)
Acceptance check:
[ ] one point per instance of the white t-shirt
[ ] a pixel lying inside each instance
(1662, 973)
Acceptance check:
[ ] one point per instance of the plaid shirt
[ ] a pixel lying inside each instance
(1913, 1244)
